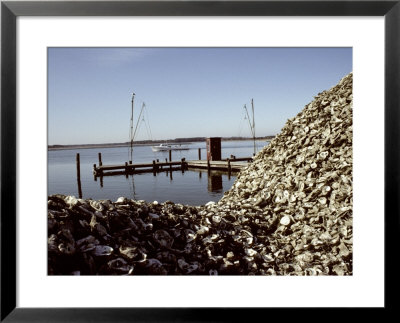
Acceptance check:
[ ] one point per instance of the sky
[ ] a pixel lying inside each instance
(187, 92)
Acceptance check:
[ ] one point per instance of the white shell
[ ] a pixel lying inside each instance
(285, 220)
(102, 250)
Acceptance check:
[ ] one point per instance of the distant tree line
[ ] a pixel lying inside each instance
(149, 142)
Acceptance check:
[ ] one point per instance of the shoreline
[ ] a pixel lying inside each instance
(155, 142)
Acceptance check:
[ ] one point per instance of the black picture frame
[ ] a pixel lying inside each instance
(10, 10)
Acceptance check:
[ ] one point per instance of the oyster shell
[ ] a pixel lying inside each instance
(101, 251)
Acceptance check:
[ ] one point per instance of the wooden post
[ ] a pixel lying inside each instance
(170, 155)
(183, 165)
(126, 169)
(229, 167)
(95, 172)
(199, 153)
(208, 166)
(78, 175)
(78, 166)
(100, 162)
(154, 167)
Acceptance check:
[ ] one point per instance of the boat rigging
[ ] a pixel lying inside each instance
(135, 129)
(137, 123)
(252, 124)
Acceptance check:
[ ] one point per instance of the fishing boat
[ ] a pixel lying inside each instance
(167, 147)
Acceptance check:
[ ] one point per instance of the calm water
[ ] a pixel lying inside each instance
(190, 187)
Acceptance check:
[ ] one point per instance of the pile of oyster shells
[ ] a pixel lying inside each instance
(288, 213)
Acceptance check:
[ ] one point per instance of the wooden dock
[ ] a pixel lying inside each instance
(229, 165)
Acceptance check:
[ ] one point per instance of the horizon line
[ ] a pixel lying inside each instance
(161, 140)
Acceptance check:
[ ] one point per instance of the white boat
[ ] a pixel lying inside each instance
(167, 147)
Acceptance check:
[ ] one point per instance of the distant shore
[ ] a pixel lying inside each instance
(148, 143)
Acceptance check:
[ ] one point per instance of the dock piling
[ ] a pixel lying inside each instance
(100, 162)
(170, 155)
(154, 168)
(199, 153)
(183, 165)
(78, 174)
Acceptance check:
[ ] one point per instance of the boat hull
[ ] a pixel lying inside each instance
(168, 148)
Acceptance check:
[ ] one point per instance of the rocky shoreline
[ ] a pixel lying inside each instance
(288, 213)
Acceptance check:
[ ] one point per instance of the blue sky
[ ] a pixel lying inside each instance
(188, 92)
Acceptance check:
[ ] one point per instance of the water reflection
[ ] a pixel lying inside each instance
(217, 180)
(132, 187)
(214, 183)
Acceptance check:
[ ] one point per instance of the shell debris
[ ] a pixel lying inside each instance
(289, 212)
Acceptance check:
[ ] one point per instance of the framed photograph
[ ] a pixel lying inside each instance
(296, 211)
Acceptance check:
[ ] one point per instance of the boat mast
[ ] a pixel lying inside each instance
(131, 130)
(254, 127)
